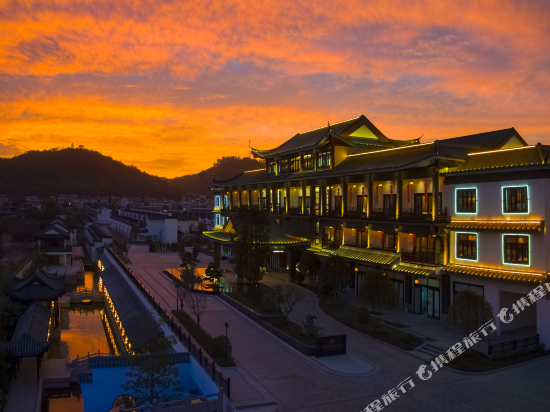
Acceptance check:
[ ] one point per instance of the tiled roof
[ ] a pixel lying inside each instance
(420, 155)
(30, 337)
(37, 287)
(489, 140)
(503, 159)
(277, 235)
(414, 270)
(515, 276)
(508, 225)
(128, 305)
(359, 255)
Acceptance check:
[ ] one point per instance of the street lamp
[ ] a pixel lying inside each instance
(226, 326)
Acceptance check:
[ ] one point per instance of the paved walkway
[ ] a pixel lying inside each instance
(23, 393)
(270, 369)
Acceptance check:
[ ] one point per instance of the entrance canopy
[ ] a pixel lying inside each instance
(30, 337)
(277, 237)
(39, 286)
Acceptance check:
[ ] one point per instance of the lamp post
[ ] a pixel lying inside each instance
(226, 326)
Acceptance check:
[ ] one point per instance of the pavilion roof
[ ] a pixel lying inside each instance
(37, 287)
(30, 337)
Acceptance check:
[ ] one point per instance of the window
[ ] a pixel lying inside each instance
(295, 164)
(466, 246)
(516, 249)
(466, 200)
(283, 166)
(217, 219)
(272, 169)
(514, 200)
(217, 201)
(323, 159)
(459, 287)
(308, 162)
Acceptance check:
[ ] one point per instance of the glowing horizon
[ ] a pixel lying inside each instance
(171, 86)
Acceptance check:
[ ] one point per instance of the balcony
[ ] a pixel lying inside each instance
(355, 213)
(331, 243)
(383, 214)
(295, 210)
(360, 245)
(332, 213)
(384, 248)
(427, 257)
(415, 214)
(279, 209)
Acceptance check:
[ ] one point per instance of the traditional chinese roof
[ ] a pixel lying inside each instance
(37, 287)
(353, 132)
(414, 269)
(358, 255)
(528, 156)
(514, 276)
(30, 337)
(508, 225)
(53, 232)
(276, 234)
(489, 140)
(128, 305)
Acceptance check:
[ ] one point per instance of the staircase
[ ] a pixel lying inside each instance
(429, 351)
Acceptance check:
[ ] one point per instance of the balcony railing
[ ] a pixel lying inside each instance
(295, 210)
(362, 245)
(332, 212)
(331, 243)
(279, 209)
(415, 214)
(353, 212)
(385, 213)
(429, 257)
(384, 248)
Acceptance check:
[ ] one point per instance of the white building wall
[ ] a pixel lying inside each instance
(170, 234)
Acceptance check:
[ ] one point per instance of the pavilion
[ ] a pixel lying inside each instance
(31, 335)
(282, 247)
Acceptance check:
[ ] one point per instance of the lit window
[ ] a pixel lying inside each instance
(514, 199)
(323, 159)
(295, 164)
(466, 246)
(283, 166)
(466, 200)
(516, 250)
(308, 162)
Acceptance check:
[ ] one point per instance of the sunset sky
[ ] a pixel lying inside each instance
(169, 86)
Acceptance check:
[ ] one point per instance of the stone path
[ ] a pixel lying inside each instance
(23, 394)
(270, 369)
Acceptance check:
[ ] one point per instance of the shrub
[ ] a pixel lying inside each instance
(310, 329)
(299, 277)
(267, 303)
(362, 315)
(218, 347)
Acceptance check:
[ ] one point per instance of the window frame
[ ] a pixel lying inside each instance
(308, 162)
(322, 157)
(505, 236)
(457, 211)
(468, 287)
(295, 164)
(457, 234)
(503, 190)
(283, 166)
(272, 168)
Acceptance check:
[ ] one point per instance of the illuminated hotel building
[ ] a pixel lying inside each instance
(438, 217)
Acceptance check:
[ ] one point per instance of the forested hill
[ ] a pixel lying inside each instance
(78, 171)
(224, 168)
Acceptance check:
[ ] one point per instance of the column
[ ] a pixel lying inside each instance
(230, 197)
(322, 198)
(435, 188)
(239, 195)
(260, 196)
(268, 199)
(291, 253)
(304, 188)
(217, 254)
(399, 195)
(249, 195)
(369, 196)
(287, 191)
(345, 195)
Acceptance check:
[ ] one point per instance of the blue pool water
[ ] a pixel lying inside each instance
(106, 386)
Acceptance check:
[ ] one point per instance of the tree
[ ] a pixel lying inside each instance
(181, 294)
(378, 292)
(196, 248)
(309, 265)
(197, 304)
(310, 329)
(155, 376)
(212, 274)
(334, 273)
(134, 232)
(468, 312)
(252, 243)
(286, 297)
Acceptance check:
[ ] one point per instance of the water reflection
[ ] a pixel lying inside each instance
(81, 331)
